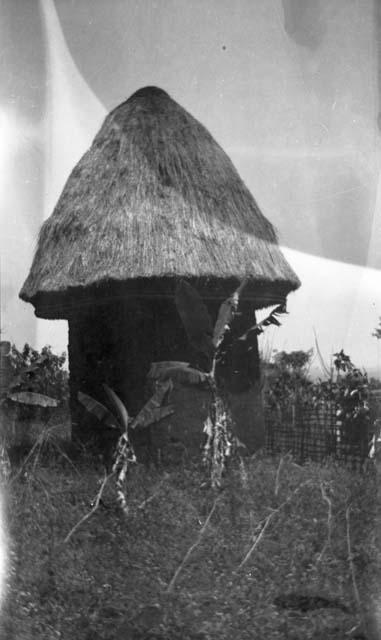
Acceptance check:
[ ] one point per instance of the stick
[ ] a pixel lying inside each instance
(143, 504)
(350, 560)
(93, 510)
(267, 521)
(329, 521)
(257, 539)
(277, 477)
(192, 548)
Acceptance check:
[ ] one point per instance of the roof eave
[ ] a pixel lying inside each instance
(65, 304)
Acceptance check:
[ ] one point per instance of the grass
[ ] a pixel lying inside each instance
(168, 572)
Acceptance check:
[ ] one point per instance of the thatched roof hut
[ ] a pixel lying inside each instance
(155, 198)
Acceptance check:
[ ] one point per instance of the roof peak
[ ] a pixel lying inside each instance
(149, 92)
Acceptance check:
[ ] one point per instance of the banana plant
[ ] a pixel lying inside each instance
(206, 339)
(152, 412)
(214, 343)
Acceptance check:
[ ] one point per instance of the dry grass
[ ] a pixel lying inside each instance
(234, 559)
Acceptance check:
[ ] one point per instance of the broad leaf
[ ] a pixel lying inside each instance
(195, 317)
(149, 415)
(151, 411)
(98, 410)
(31, 398)
(226, 314)
(250, 336)
(258, 328)
(119, 406)
(178, 372)
(157, 367)
(271, 320)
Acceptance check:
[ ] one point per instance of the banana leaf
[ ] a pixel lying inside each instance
(98, 410)
(32, 398)
(178, 372)
(258, 328)
(151, 414)
(226, 314)
(119, 406)
(157, 367)
(153, 411)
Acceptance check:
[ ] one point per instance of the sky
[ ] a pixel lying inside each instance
(289, 88)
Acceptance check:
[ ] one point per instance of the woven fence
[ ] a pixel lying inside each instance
(314, 433)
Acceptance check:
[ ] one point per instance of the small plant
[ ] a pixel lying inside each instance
(124, 454)
(351, 396)
(215, 345)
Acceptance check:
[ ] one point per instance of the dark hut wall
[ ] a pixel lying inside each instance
(116, 344)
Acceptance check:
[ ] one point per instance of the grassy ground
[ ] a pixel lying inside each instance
(275, 529)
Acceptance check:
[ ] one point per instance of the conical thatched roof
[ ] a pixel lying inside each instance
(154, 198)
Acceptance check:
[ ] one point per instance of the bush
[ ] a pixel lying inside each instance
(40, 372)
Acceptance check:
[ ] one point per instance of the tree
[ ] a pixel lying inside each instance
(295, 361)
(287, 377)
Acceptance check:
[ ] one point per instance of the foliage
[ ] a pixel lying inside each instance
(180, 372)
(39, 382)
(287, 378)
(226, 315)
(156, 408)
(40, 372)
(347, 390)
(195, 318)
(374, 383)
(97, 409)
(215, 344)
(111, 580)
(351, 397)
(342, 362)
(124, 454)
(197, 322)
(294, 361)
(31, 398)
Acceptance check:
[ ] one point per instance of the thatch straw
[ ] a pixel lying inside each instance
(154, 197)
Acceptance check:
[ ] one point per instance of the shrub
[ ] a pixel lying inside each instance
(40, 372)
